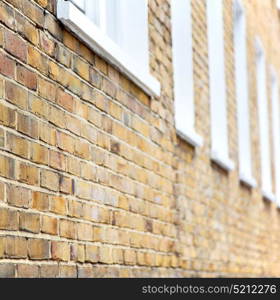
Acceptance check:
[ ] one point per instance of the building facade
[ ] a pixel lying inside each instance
(139, 138)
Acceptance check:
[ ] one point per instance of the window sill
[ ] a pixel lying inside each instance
(269, 196)
(248, 180)
(191, 137)
(223, 162)
(90, 34)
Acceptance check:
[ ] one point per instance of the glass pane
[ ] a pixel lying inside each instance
(113, 20)
(79, 3)
(93, 11)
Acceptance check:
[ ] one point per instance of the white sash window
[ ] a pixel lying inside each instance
(241, 83)
(118, 31)
(217, 81)
(183, 71)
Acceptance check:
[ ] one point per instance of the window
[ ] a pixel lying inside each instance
(276, 130)
(218, 102)
(183, 71)
(263, 123)
(117, 30)
(241, 83)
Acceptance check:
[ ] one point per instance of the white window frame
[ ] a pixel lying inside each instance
(182, 47)
(266, 172)
(242, 95)
(217, 85)
(276, 130)
(73, 16)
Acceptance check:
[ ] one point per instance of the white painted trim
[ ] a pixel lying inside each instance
(265, 147)
(217, 85)
(249, 181)
(242, 97)
(224, 162)
(276, 129)
(91, 35)
(269, 196)
(191, 137)
(182, 51)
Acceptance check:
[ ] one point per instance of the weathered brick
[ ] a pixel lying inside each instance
(16, 46)
(16, 94)
(37, 60)
(18, 196)
(67, 229)
(7, 167)
(27, 29)
(2, 138)
(47, 89)
(1, 38)
(84, 232)
(60, 251)
(49, 225)
(74, 124)
(58, 205)
(64, 56)
(47, 134)
(16, 247)
(26, 77)
(85, 271)
(57, 117)
(7, 15)
(82, 149)
(34, 12)
(52, 25)
(81, 68)
(73, 166)
(28, 173)
(42, 3)
(129, 257)
(83, 190)
(109, 88)
(29, 222)
(70, 41)
(1, 88)
(7, 66)
(101, 65)
(40, 201)
(38, 249)
(65, 100)
(86, 53)
(66, 185)
(18, 145)
(39, 154)
(2, 191)
(47, 44)
(92, 254)
(38, 106)
(7, 270)
(27, 125)
(105, 255)
(89, 133)
(57, 160)
(66, 271)
(50, 180)
(65, 142)
(54, 71)
(95, 78)
(49, 271)
(27, 271)
(78, 252)
(2, 246)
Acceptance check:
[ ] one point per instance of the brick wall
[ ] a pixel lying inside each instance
(93, 179)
